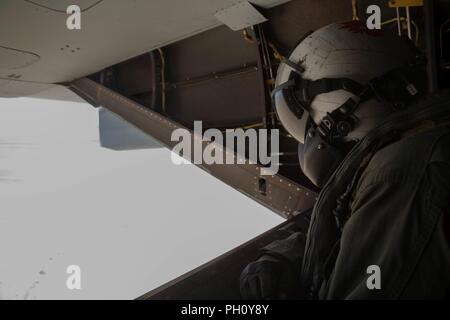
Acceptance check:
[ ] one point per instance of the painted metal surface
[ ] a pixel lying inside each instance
(111, 32)
(240, 16)
(281, 195)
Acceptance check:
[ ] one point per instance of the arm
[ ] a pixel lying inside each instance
(275, 274)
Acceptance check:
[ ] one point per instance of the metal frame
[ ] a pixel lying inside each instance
(280, 194)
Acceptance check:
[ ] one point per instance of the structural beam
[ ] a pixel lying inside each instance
(279, 194)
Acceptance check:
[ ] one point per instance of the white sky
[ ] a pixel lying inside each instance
(131, 220)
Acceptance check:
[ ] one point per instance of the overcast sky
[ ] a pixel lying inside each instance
(131, 220)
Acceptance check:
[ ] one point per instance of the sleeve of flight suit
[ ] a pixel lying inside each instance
(290, 249)
(275, 275)
(288, 253)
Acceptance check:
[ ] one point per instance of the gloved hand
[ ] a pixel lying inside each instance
(266, 279)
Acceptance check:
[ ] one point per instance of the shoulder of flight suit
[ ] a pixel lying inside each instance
(395, 224)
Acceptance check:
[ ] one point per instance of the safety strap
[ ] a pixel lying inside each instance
(311, 89)
(394, 88)
(300, 92)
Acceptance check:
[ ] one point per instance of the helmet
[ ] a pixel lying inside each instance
(337, 85)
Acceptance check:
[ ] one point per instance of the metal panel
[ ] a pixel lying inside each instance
(62, 5)
(281, 195)
(13, 59)
(117, 134)
(215, 77)
(111, 32)
(240, 16)
(405, 3)
(291, 22)
(224, 102)
(210, 52)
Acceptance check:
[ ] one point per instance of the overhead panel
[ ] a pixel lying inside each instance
(240, 16)
(12, 88)
(112, 31)
(11, 59)
(62, 5)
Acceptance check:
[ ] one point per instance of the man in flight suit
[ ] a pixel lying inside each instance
(380, 150)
